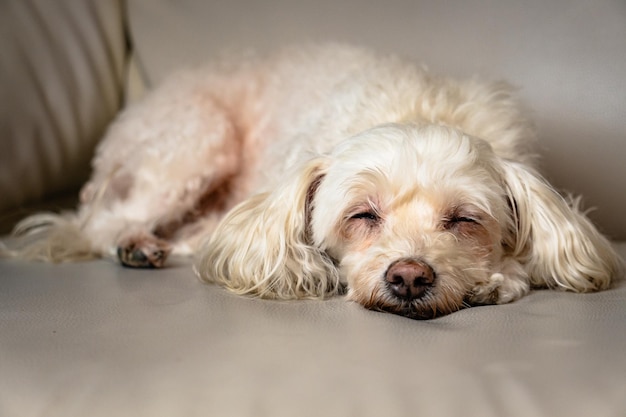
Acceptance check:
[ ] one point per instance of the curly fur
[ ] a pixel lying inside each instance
(315, 171)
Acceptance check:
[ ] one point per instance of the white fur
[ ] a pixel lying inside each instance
(317, 170)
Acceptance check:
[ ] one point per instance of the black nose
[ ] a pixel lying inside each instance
(409, 279)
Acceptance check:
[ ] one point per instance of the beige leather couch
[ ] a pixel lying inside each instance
(94, 339)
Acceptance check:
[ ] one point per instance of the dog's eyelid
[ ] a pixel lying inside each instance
(463, 219)
(367, 215)
(368, 211)
(458, 216)
(467, 213)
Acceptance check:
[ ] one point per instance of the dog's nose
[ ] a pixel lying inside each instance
(409, 279)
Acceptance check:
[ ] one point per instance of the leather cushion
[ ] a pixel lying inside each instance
(95, 339)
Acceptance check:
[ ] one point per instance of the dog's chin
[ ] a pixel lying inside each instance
(431, 305)
(409, 310)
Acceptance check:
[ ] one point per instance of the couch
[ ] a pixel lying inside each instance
(95, 339)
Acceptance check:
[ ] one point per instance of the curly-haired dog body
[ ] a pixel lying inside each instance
(329, 167)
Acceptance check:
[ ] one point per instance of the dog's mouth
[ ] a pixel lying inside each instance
(409, 310)
(430, 305)
(416, 310)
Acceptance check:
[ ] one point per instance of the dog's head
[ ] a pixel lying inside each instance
(418, 221)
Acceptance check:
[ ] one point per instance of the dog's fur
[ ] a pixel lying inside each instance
(328, 168)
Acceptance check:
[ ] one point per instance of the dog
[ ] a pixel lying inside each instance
(330, 170)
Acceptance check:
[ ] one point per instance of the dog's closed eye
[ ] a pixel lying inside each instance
(369, 216)
(363, 222)
(457, 220)
(463, 223)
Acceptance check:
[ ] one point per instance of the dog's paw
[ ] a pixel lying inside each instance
(144, 251)
(499, 290)
(508, 285)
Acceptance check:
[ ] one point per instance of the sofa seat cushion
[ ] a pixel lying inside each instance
(95, 339)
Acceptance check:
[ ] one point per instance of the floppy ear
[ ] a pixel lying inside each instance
(262, 247)
(557, 244)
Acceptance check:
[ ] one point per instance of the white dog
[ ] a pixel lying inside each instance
(328, 168)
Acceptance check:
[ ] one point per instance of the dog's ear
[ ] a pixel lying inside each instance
(263, 247)
(553, 239)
